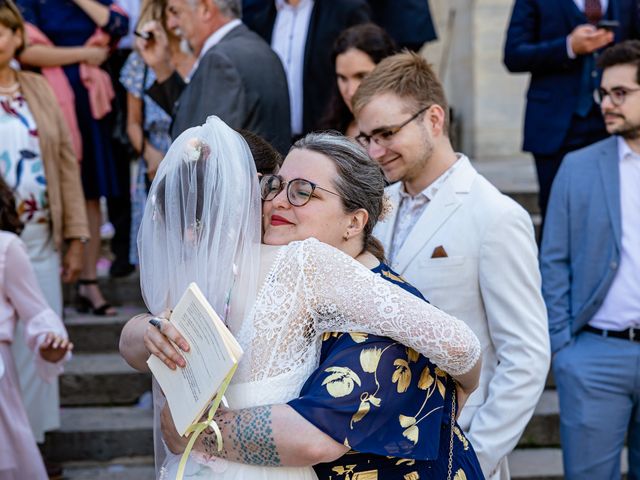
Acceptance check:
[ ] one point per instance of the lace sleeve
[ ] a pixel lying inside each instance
(342, 295)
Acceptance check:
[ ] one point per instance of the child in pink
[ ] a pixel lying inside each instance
(21, 300)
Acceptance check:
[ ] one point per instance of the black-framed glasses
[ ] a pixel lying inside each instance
(384, 136)
(617, 95)
(299, 190)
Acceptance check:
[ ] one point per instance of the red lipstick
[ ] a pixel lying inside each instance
(277, 220)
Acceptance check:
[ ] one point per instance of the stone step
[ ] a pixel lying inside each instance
(543, 429)
(101, 434)
(101, 379)
(90, 333)
(543, 464)
(134, 468)
(118, 291)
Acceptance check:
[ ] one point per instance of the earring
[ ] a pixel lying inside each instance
(345, 237)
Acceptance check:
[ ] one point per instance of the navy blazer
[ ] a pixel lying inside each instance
(536, 43)
(328, 19)
(408, 22)
(581, 244)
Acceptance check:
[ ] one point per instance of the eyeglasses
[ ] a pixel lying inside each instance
(617, 95)
(299, 190)
(384, 136)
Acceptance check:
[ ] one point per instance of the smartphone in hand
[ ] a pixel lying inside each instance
(608, 24)
(145, 35)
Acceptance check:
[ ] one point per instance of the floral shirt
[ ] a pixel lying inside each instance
(21, 165)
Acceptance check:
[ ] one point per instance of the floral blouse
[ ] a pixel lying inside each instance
(389, 404)
(21, 165)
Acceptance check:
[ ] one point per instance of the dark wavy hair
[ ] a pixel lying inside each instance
(368, 38)
(623, 53)
(9, 220)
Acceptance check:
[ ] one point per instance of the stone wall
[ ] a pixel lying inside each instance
(487, 100)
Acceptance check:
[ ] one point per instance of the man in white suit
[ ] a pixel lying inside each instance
(469, 249)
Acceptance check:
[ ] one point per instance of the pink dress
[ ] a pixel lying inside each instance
(21, 299)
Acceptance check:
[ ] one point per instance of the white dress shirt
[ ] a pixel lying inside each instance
(288, 40)
(411, 208)
(621, 307)
(212, 41)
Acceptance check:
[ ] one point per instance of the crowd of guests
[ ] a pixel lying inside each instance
(82, 99)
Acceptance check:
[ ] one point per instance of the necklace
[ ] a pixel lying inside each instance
(10, 90)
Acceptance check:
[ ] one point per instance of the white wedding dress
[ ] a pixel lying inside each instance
(312, 288)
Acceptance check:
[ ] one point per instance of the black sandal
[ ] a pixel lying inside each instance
(84, 304)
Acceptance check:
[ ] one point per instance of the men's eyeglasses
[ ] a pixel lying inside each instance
(617, 95)
(384, 136)
(299, 190)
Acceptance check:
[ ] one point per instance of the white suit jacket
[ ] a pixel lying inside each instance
(491, 280)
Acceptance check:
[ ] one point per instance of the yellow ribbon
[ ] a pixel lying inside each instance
(197, 428)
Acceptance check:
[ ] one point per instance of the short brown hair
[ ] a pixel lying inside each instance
(623, 53)
(267, 159)
(11, 18)
(407, 75)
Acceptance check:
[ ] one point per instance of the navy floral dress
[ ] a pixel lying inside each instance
(66, 25)
(390, 405)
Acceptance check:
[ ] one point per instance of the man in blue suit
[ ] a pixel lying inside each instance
(590, 263)
(557, 41)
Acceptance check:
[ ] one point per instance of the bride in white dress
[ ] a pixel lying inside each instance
(202, 224)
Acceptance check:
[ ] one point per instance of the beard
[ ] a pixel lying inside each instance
(626, 130)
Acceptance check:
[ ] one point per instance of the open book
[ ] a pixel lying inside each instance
(213, 355)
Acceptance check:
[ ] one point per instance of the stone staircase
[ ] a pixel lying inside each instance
(106, 433)
(106, 430)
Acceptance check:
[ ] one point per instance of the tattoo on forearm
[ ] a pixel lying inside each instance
(248, 437)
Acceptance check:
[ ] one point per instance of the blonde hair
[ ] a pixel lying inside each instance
(407, 75)
(11, 18)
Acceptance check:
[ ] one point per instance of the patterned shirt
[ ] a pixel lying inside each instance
(411, 209)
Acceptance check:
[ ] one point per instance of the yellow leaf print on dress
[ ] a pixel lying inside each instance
(412, 355)
(340, 382)
(407, 421)
(461, 437)
(426, 379)
(412, 433)
(412, 476)
(369, 359)
(358, 337)
(460, 475)
(402, 375)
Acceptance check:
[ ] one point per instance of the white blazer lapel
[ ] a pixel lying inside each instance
(435, 215)
(439, 210)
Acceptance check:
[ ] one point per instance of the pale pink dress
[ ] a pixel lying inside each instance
(21, 300)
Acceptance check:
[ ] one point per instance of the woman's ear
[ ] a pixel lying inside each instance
(359, 220)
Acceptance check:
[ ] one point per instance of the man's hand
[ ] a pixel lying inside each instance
(586, 39)
(156, 341)
(155, 51)
(175, 443)
(72, 261)
(54, 348)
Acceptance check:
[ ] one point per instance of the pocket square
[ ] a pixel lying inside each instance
(439, 252)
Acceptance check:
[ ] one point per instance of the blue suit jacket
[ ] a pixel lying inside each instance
(536, 43)
(408, 22)
(581, 244)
